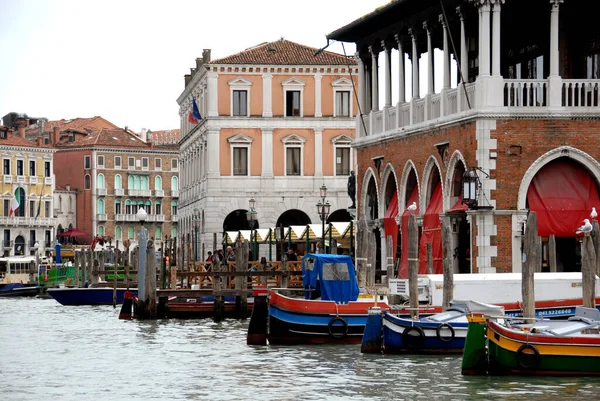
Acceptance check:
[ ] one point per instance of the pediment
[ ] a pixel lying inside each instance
(293, 82)
(240, 138)
(239, 81)
(342, 138)
(293, 138)
(342, 82)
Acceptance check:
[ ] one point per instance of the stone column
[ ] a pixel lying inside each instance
(484, 35)
(387, 74)
(213, 94)
(555, 82)
(374, 80)
(463, 102)
(401, 76)
(446, 49)
(415, 64)
(267, 95)
(267, 152)
(318, 80)
(496, 38)
(430, 66)
(213, 153)
(318, 152)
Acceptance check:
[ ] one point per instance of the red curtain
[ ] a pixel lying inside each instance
(389, 224)
(562, 194)
(432, 234)
(414, 197)
(458, 206)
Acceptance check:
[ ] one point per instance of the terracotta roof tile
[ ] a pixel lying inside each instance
(165, 137)
(285, 52)
(83, 125)
(13, 139)
(117, 137)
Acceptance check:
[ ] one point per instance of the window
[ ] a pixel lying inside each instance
(47, 209)
(127, 206)
(173, 232)
(101, 231)
(118, 233)
(100, 206)
(46, 140)
(240, 103)
(342, 103)
(593, 66)
(118, 182)
(174, 183)
(240, 161)
(6, 166)
(144, 182)
(145, 163)
(294, 146)
(293, 90)
(118, 206)
(31, 208)
(32, 171)
(130, 233)
(174, 208)
(158, 183)
(47, 169)
(148, 207)
(131, 163)
(292, 103)
(158, 164)
(118, 162)
(158, 208)
(100, 161)
(158, 233)
(87, 162)
(6, 208)
(20, 167)
(20, 195)
(342, 157)
(32, 238)
(87, 182)
(173, 164)
(100, 183)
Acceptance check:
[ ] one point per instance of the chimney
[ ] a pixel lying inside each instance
(205, 56)
(39, 141)
(144, 134)
(22, 131)
(199, 62)
(187, 78)
(55, 138)
(68, 187)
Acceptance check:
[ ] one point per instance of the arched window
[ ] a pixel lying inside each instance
(174, 183)
(174, 208)
(20, 195)
(173, 232)
(136, 182)
(100, 206)
(130, 182)
(127, 206)
(60, 203)
(130, 232)
(158, 183)
(134, 207)
(148, 207)
(101, 231)
(158, 235)
(100, 181)
(144, 182)
(118, 206)
(118, 181)
(118, 232)
(158, 208)
(87, 184)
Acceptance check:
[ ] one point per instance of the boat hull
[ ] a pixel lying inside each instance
(19, 290)
(88, 296)
(204, 307)
(527, 353)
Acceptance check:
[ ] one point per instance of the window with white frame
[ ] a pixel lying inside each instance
(158, 183)
(342, 89)
(131, 163)
(20, 168)
(118, 233)
(342, 154)
(6, 166)
(158, 164)
(174, 164)
(100, 161)
(87, 162)
(118, 181)
(32, 171)
(117, 162)
(100, 184)
(145, 163)
(293, 94)
(239, 89)
(239, 146)
(294, 155)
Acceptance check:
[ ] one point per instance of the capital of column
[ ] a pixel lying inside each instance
(372, 51)
(413, 34)
(427, 27)
(555, 3)
(497, 3)
(459, 12)
(442, 21)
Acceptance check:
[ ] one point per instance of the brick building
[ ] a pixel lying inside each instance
(520, 121)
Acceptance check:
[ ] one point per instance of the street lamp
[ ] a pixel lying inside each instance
(141, 215)
(196, 219)
(470, 181)
(36, 247)
(323, 209)
(251, 216)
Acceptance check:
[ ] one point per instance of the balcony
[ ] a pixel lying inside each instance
(139, 192)
(160, 218)
(101, 217)
(119, 192)
(7, 179)
(120, 217)
(48, 180)
(174, 194)
(101, 191)
(8, 244)
(174, 218)
(20, 179)
(18, 221)
(159, 193)
(33, 179)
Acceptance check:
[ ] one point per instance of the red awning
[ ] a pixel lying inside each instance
(562, 194)
(403, 269)
(389, 224)
(73, 232)
(432, 234)
(458, 206)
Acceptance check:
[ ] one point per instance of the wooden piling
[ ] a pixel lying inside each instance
(596, 240)
(552, 253)
(241, 282)
(78, 280)
(448, 289)
(429, 258)
(532, 262)
(361, 252)
(219, 303)
(588, 272)
(150, 284)
(371, 260)
(413, 265)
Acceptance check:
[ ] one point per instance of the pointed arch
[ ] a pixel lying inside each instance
(430, 180)
(409, 167)
(456, 168)
(369, 189)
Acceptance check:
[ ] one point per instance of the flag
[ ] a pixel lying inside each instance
(13, 206)
(195, 111)
(191, 118)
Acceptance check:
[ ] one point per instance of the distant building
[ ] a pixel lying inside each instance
(275, 123)
(65, 208)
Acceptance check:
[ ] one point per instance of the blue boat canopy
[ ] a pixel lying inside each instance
(330, 276)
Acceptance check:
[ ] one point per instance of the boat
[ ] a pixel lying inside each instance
(329, 309)
(499, 346)
(19, 290)
(438, 333)
(88, 296)
(183, 307)
(18, 269)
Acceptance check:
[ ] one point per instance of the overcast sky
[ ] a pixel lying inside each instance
(125, 60)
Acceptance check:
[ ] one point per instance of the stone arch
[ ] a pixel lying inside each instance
(457, 161)
(364, 197)
(289, 203)
(389, 174)
(431, 166)
(563, 151)
(409, 167)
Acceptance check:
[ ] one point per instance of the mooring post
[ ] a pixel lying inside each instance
(448, 289)
(532, 261)
(552, 253)
(219, 305)
(78, 280)
(141, 268)
(150, 277)
(596, 241)
(429, 254)
(241, 283)
(588, 272)
(413, 266)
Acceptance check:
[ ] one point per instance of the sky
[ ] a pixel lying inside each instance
(125, 60)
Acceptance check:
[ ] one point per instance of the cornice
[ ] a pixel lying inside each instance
(17, 148)
(121, 150)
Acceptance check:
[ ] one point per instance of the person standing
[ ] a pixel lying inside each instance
(352, 189)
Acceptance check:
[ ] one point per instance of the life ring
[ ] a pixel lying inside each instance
(445, 326)
(413, 340)
(528, 356)
(335, 334)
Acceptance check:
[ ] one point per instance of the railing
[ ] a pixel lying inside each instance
(580, 93)
(139, 192)
(101, 191)
(20, 179)
(471, 94)
(7, 179)
(160, 217)
(175, 194)
(119, 192)
(101, 217)
(119, 217)
(27, 221)
(159, 193)
(435, 106)
(33, 179)
(451, 102)
(174, 218)
(419, 107)
(525, 93)
(391, 119)
(47, 180)
(377, 121)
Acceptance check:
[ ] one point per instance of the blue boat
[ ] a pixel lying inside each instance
(19, 290)
(439, 333)
(88, 296)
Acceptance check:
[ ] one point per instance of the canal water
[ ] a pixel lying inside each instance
(53, 352)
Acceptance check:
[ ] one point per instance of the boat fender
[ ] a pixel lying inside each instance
(445, 326)
(528, 356)
(338, 334)
(413, 337)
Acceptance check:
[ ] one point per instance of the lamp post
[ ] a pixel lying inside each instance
(142, 245)
(36, 247)
(196, 219)
(251, 216)
(323, 209)
(470, 188)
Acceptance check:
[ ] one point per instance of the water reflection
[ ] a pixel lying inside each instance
(86, 353)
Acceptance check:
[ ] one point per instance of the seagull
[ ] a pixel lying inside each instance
(594, 214)
(413, 206)
(586, 228)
